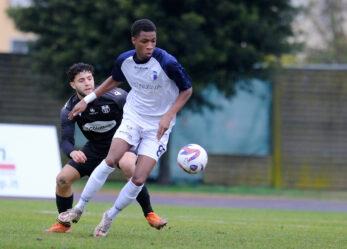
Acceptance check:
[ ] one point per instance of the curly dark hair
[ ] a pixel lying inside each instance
(142, 25)
(77, 68)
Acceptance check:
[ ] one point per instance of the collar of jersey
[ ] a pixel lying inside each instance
(137, 60)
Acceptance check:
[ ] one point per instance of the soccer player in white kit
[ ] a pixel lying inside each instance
(159, 89)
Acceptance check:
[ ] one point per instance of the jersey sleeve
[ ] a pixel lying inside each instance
(177, 73)
(117, 73)
(67, 143)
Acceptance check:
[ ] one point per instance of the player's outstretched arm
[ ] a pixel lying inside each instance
(181, 100)
(106, 86)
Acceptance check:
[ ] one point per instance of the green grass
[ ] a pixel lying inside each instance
(228, 190)
(23, 221)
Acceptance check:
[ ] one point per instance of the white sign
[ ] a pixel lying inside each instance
(29, 160)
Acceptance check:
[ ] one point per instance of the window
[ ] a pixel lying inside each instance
(19, 47)
(21, 3)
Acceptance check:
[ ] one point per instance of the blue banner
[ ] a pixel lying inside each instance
(239, 126)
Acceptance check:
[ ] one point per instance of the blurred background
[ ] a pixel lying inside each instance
(269, 79)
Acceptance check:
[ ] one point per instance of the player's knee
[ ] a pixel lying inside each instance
(138, 181)
(127, 167)
(112, 162)
(63, 182)
(125, 163)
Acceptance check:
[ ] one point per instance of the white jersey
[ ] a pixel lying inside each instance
(155, 85)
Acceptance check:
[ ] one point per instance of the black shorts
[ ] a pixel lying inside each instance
(95, 153)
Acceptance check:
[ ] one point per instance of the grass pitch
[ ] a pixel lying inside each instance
(23, 221)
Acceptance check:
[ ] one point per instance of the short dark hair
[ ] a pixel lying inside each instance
(77, 68)
(142, 25)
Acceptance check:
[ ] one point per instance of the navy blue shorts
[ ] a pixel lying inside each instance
(95, 154)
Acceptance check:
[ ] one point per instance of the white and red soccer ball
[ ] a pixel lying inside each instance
(192, 158)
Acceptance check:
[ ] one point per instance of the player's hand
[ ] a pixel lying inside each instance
(164, 125)
(78, 156)
(78, 108)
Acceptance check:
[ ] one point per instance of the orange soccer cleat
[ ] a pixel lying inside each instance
(155, 221)
(58, 228)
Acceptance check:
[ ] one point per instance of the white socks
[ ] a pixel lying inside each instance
(128, 193)
(96, 180)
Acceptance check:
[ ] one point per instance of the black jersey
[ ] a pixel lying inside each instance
(98, 122)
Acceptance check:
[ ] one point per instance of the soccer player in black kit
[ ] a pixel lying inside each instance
(98, 124)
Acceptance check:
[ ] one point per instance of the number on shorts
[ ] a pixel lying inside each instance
(160, 150)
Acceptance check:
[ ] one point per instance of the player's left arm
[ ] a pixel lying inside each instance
(176, 72)
(181, 100)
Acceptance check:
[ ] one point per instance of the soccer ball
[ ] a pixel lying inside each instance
(192, 158)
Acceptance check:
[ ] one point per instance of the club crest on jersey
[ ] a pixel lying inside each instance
(105, 109)
(155, 75)
(92, 111)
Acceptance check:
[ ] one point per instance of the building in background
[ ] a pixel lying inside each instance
(11, 39)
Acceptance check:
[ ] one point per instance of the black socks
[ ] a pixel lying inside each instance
(63, 203)
(144, 201)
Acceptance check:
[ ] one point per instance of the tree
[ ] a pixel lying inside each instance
(216, 41)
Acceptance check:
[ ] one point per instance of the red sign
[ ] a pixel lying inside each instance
(7, 167)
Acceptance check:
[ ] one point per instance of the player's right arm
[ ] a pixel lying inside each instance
(106, 86)
(78, 156)
(67, 138)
